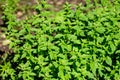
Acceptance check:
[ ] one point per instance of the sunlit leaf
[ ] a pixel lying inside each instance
(108, 61)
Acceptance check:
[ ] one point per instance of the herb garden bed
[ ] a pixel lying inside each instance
(72, 44)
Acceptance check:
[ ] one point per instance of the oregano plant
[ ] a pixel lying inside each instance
(80, 44)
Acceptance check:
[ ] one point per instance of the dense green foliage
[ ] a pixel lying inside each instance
(79, 44)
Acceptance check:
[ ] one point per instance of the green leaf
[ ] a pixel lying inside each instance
(100, 72)
(24, 55)
(108, 68)
(55, 64)
(77, 41)
(67, 76)
(90, 75)
(38, 20)
(81, 33)
(109, 38)
(112, 46)
(69, 47)
(36, 67)
(100, 29)
(118, 51)
(59, 17)
(16, 57)
(53, 55)
(42, 47)
(93, 67)
(100, 39)
(72, 37)
(108, 61)
(83, 17)
(61, 72)
(58, 35)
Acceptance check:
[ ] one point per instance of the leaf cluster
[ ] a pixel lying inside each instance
(66, 45)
